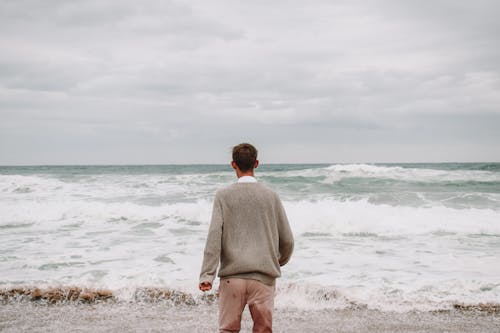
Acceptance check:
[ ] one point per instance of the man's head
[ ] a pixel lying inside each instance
(245, 157)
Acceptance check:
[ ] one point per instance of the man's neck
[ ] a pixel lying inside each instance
(242, 174)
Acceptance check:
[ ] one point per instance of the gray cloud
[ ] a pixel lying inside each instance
(128, 82)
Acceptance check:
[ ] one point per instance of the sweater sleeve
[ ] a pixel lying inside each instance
(211, 254)
(285, 235)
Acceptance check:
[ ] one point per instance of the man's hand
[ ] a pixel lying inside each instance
(205, 286)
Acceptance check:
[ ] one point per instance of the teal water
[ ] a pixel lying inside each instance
(459, 185)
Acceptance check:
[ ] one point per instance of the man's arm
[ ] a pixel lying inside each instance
(212, 247)
(285, 234)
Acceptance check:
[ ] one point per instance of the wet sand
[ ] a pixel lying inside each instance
(163, 317)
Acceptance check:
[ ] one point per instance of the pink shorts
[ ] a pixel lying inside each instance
(235, 293)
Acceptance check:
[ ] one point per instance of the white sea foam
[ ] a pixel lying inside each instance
(323, 216)
(358, 217)
(336, 172)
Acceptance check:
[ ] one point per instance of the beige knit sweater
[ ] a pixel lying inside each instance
(249, 233)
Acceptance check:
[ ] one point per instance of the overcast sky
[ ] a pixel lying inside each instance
(142, 82)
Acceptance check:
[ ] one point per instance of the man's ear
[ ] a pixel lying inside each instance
(234, 165)
(256, 164)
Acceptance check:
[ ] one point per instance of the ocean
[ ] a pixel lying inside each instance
(384, 236)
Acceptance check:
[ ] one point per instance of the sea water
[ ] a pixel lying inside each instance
(386, 236)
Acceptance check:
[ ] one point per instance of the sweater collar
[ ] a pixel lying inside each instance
(247, 179)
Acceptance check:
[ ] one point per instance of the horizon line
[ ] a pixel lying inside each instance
(220, 164)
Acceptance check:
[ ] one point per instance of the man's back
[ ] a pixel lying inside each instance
(250, 230)
(254, 225)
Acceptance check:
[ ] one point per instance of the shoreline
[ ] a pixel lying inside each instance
(73, 295)
(69, 295)
(165, 317)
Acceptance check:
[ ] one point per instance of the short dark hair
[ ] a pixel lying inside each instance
(245, 155)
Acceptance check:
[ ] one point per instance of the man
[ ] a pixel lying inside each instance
(249, 232)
